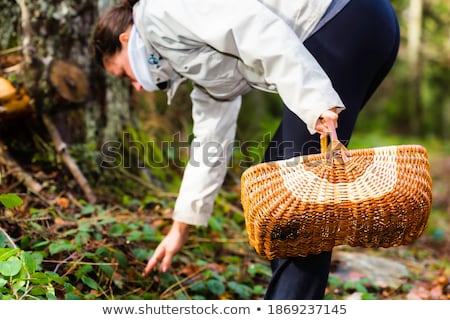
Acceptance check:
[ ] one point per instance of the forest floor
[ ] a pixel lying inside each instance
(99, 251)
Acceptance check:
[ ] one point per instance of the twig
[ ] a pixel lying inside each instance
(10, 50)
(64, 261)
(182, 288)
(180, 283)
(61, 148)
(10, 240)
(15, 169)
(74, 201)
(79, 262)
(13, 186)
(13, 69)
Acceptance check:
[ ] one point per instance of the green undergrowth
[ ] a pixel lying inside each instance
(94, 252)
(69, 249)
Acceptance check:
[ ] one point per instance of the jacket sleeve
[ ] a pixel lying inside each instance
(214, 132)
(264, 43)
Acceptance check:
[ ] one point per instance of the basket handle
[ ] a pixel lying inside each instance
(333, 136)
(337, 148)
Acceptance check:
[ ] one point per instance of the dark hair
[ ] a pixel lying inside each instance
(110, 25)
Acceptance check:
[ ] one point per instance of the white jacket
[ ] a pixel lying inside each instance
(226, 48)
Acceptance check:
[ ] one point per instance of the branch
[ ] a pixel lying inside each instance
(61, 148)
(10, 240)
(26, 30)
(10, 50)
(17, 171)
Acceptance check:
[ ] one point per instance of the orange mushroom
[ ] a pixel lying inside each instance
(12, 101)
(7, 90)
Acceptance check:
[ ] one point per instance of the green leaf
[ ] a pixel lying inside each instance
(117, 230)
(334, 281)
(150, 234)
(10, 200)
(41, 244)
(5, 253)
(121, 258)
(107, 221)
(69, 288)
(134, 236)
(72, 296)
(89, 282)
(10, 267)
(50, 292)
(103, 252)
(52, 276)
(38, 291)
(368, 296)
(199, 286)
(19, 285)
(216, 287)
(215, 224)
(3, 241)
(360, 287)
(108, 270)
(181, 296)
(81, 238)
(349, 285)
(259, 290)
(88, 209)
(29, 262)
(141, 254)
(51, 296)
(40, 279)
(60, 245)
(242, 290)
(84, 225)
(83, 270)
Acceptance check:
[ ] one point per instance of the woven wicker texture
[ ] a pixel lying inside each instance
(378, 197)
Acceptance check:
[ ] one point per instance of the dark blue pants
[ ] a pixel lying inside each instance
(357, 48)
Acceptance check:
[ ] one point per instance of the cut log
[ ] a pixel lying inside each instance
(68, 80)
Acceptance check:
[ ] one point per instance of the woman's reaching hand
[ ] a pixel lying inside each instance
(169, 246)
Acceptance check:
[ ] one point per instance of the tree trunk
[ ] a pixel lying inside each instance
(414, 59)
(62, 30)
(65, 84)
(115, 110)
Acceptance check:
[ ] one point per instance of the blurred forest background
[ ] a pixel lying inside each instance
(89, 169)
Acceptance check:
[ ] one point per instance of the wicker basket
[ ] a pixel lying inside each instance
(378, 197)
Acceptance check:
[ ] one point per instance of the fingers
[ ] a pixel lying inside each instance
(168, 247)
(329, 115)
(166, 261)
(322, 127)
(154, 260)
(323, 123)
(161, 255)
